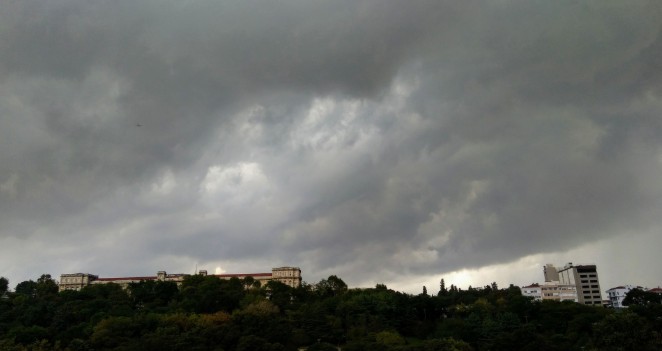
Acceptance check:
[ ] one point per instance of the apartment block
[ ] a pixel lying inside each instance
(585, 279)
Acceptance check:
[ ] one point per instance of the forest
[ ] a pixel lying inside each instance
(207, 313)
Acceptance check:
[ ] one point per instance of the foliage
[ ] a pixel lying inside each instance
(208, 313)
(640, 297)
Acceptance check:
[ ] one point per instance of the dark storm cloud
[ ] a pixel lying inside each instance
(369, 138)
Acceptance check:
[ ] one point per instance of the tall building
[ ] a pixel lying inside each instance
(75, 281)
(585, 279)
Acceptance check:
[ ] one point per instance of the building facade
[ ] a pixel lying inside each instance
(617, 295)
(585, 279)
(534, 291)
(551, 291)
(551, 273)
(290, 276)
(76, 281)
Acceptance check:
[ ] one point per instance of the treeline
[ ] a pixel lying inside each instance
(207, 313)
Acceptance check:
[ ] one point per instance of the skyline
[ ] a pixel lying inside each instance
(379, 141)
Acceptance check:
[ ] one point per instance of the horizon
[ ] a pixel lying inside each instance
(380, 141)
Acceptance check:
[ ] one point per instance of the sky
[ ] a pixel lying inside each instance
(383, 141)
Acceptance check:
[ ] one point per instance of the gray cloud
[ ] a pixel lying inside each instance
(367, 139)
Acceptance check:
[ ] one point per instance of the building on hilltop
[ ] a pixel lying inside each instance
(76, 281)
(534, 290)
(290, 276)
(583, 277)
(551, 273)
(617, 295)
(551, 291)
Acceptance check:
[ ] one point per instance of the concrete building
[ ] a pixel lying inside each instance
(585, 279)
(290, 276)
(617, 295)
(551, 273)
(551, 291)
(76, 281)
(534, 290)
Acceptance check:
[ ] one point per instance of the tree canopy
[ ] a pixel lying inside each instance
(208, 313)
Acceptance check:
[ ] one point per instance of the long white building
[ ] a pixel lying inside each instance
(290, 276)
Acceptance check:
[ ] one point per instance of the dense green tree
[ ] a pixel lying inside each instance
(625, 331)
(26, 288)
(4, 285)
(322, 346)
(207, 313)
(209, 294)
(279, 294)
(448, 344)
(641, 297)
(152, 295)
(332, 286)
(442, 288)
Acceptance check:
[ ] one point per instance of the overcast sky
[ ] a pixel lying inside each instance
(392, 142)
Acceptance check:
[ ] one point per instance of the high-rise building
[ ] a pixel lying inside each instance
(585, 279)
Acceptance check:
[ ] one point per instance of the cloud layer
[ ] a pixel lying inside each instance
(375, 140)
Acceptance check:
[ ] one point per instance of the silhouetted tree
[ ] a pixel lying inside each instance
(442, 287)
(4, 285)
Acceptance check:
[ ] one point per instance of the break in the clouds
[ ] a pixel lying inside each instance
(381, 141)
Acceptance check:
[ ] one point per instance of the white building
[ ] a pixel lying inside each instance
(533, 290)
(551, 291)
(75, 281)
(617, 295)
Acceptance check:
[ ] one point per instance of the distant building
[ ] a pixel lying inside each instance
(583, 277)
(76, 281)
(551, 273)
(617, 295)
(534, 290)
(290, 276)
(551, 291)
